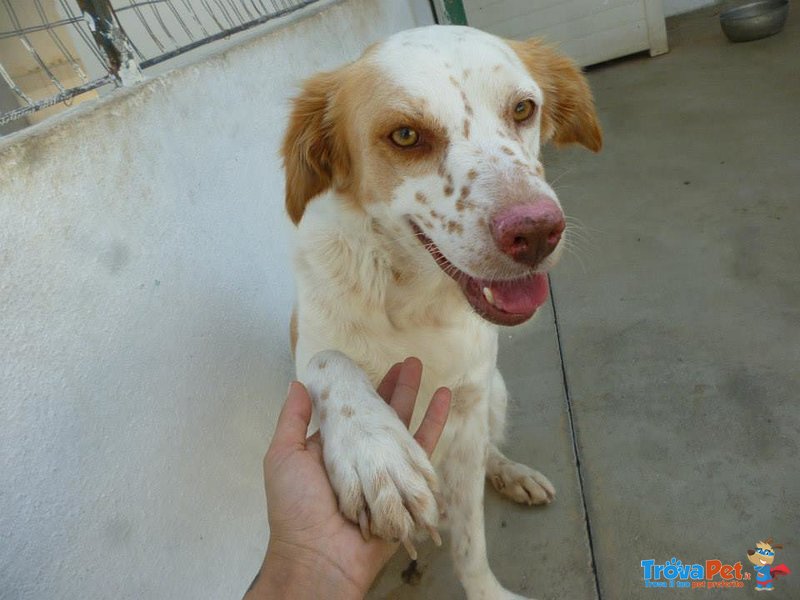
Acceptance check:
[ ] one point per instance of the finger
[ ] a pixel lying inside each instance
(294, 418)
(434, 420)
(386, 386)
(405, 391)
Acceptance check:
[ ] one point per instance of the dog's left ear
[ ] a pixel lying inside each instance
(568, 114)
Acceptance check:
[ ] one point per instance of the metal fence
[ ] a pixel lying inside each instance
(56, 52)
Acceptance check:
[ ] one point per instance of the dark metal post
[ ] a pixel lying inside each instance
(111, 39)
(450, 12)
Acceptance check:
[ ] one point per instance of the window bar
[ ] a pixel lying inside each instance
(197, 20)
(178, 17)
(225, 13)
(236, 12)
(14, 87)
(211, 12)
(29, 47)
(160, 21)
(137, 9)
(59, 44)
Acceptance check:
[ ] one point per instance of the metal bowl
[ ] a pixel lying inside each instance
(755, 20)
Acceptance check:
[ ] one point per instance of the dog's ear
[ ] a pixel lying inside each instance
(314, 152)
(568, 114)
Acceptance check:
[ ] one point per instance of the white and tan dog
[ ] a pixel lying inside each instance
(424, 221)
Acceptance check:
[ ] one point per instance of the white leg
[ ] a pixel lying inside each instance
(462, 466)
(513, 480)
(382, 478)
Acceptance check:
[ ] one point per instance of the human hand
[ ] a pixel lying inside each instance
(313, 550)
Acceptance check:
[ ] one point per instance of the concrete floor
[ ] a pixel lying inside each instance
(678, 320)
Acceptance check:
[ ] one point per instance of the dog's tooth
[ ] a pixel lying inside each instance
(487, 293)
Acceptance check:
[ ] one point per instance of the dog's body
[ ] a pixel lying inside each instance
(430, 223)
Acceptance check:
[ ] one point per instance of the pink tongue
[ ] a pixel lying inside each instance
(520, 297)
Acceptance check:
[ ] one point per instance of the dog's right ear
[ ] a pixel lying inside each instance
(314, 152)
(569, 114)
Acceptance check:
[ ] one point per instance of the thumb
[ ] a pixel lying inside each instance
(293, 421)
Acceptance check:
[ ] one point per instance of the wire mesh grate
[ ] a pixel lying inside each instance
(56, 52)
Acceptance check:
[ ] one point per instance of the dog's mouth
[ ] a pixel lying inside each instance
(506, 302)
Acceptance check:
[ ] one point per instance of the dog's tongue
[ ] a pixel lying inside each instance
(520, 297)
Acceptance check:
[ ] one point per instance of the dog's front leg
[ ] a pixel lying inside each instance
(462, 467)
(382, 477)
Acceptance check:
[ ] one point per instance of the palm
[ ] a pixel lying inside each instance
(315, 523)
(304, 516)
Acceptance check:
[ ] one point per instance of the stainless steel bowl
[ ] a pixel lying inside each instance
(755, 20)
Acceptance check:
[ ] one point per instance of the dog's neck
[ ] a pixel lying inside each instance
(371, 268)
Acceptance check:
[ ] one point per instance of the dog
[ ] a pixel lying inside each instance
(424, 221)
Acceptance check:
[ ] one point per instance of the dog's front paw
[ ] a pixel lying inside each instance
(382, 477)
(383, 480)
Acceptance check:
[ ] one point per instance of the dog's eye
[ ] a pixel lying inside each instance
(524, 110)
(405, 137)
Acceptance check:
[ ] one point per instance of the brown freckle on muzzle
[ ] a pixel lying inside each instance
(448, 190)
(507, 150)
(347, 411)
(472, 174)
(466, 128)
(462, 204)
(454, 227)
(421, 198)
(467, 105)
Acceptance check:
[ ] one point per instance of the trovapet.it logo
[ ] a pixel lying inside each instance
(709, 574)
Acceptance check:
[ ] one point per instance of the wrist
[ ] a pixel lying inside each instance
(292, 572)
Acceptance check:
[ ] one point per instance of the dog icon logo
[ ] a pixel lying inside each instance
(763, 558)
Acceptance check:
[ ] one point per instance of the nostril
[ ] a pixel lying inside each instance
(555, 234)
(528, 232)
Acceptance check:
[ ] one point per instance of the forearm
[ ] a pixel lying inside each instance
(289, 575)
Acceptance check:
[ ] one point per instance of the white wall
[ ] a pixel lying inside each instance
(144, 298)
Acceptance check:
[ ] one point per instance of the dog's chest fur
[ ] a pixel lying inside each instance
(355, 294)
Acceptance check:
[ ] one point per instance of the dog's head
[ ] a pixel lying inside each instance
(436, 135)
(764, 554)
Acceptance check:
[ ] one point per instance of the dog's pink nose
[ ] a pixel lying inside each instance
(528, 232)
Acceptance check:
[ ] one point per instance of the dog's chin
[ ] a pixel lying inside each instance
(506, 302)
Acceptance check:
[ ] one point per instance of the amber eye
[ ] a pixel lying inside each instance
(405, 137)
(524, 110)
